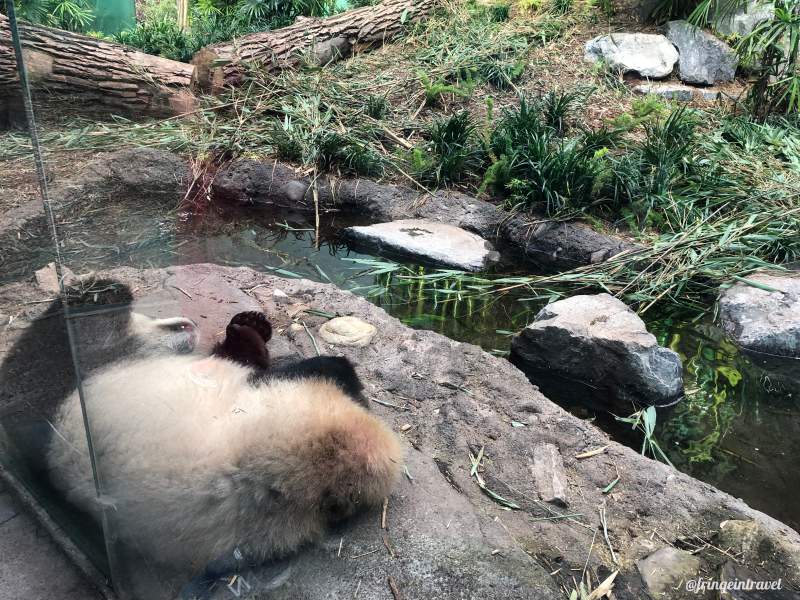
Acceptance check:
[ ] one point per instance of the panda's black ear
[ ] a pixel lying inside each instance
(245, 340)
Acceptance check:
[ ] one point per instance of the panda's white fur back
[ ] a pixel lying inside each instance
(196, 461)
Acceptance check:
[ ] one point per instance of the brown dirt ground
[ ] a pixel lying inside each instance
(19, 183)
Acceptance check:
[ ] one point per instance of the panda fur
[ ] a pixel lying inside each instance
(198, 456)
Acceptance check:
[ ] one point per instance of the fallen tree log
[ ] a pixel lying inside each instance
(94, 71)
(318, 40)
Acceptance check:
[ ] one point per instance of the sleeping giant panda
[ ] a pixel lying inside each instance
(200, 456)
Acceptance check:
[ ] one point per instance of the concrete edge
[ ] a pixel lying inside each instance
(74, 554)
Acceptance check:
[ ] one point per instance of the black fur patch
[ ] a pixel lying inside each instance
(245, 340)
(337, 369)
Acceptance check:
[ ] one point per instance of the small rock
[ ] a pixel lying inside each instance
(742, 537)
(280, 297)
(4, 319)
(47, 278)
(435, 242)
(347, 331)
(648, 54)
(733, 576)
(548, 473)
(331, 50)
(668, 91)
(640, 547)
(744, 20)
(703, 59)
(295, 191)
(602, 345)
(678, 92)
(666, 571)
(709, 94)
(762, 320)
(527, 407)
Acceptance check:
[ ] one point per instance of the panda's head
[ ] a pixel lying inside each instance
(339, 459)
(174, 335)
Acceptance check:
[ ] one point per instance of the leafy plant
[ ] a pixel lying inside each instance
(502, 73)
(307, 135)
(453, 150)
(434, 90)
(162, 38)
(560, 7)
(499, 12)
(72, 15)
(556, 106)
(656, 167)
(377, 106)
(645, 421)
(541, 169)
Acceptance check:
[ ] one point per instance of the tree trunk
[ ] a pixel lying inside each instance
(92, 71)
(318, 40)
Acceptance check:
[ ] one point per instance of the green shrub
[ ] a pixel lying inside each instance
(72, 15)
(556, 106)
(434, 90)
(539, 168)
(453, 152)
(501, 72)
(377, 107)
(162, 38)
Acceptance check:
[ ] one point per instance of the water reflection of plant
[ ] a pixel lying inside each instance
(443, 300)
(695, 431)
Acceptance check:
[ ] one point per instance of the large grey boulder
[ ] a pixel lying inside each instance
(764, 317)
(704, 59)
(743, 21)
(648, 54)
(599, 343)
(431, 241)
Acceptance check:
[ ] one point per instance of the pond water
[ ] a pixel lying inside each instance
(738, 427)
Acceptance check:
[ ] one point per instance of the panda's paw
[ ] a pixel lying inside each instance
(245, 340)
(255, 320)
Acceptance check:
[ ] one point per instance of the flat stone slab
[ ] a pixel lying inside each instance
(678, 91)
(648, 54)
(549, 475)
(704, 59)
(431, 241)
(597, 341)
(764, 317)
